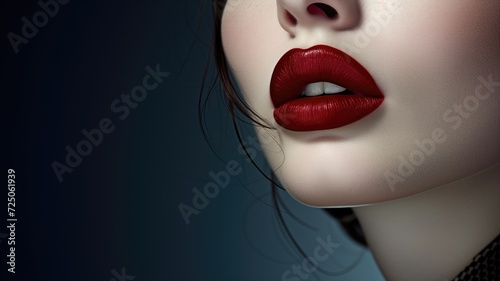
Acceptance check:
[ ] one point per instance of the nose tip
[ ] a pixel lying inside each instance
(333, 14)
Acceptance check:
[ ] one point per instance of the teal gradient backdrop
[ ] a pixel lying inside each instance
(117, 212)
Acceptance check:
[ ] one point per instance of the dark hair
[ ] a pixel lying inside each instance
(239, 110)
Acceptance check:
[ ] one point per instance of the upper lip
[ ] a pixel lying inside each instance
(300, 67)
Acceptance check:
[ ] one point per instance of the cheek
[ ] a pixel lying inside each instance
(432, 59)
(443, 35)
(250, 34)
(435, 55)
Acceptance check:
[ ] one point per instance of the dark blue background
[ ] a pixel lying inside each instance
(119, 207)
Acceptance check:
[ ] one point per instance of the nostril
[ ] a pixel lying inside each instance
(291, 18)
(322, 9)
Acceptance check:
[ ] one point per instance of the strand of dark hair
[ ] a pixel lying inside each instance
(236, 105)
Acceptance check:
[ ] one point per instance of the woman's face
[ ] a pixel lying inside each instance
(436, 64)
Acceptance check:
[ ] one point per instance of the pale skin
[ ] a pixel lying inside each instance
(438, 65)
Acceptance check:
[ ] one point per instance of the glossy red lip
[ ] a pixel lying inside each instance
(298, 68)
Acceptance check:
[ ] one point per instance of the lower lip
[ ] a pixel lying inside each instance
(324, 112)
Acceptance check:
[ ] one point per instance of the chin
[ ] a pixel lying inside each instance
(333, 189)
(331, 172)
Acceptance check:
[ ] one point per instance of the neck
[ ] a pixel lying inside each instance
(434, 235)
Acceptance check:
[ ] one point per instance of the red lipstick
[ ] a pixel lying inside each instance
(298, 68)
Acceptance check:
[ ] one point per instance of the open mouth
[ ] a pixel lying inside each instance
(321, 88)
